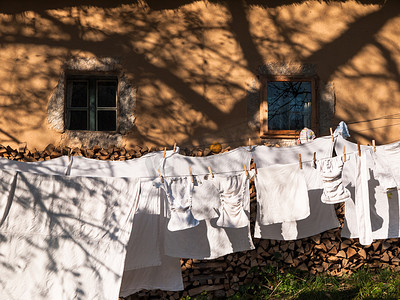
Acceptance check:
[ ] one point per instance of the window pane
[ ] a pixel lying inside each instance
(289, 105)
(78, 93)
(106, 120)
(106, 94)
(77, 120)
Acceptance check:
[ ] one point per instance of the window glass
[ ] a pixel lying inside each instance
(78, 120)
(106, 120)
(78, 94)
(289, 105)
(106, 94)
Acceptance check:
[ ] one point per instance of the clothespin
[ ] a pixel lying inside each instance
(359, 149)
(165, 151)
(211, 173)
(344, 153)
(315, 159)
(245, 170)
(191, 175)
(300, 163)
(330, 129)
(174, 147)
(159, 174)
(373, 145)
(249, 144)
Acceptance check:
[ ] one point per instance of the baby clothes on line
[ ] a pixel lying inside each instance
(282, 196)
(231, 190)
(179, 191)
(207, 240)
(322, 216)
(331, 173)
(384, 205)
(65, 237)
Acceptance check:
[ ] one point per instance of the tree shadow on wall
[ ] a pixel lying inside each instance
(178, 58)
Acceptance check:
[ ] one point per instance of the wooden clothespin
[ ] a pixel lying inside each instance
(211, 173)
(300, 163)
(165, 151)
(330, 129)
(191, 175)
(344, 153)
(174, 147)
(315, 159)
(359, 149)
(161, 177)
(69, 155)
(373, 145)
(245, 170)
(249, 144)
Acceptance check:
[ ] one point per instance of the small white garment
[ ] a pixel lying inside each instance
(179, 191)
(207, 240)
(322, 216)
(282, 194)
(65, 237)
(342, 130)
(231, 190)
(331, 173)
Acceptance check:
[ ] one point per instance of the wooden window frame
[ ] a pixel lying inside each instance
(264, 131)
(92, 107)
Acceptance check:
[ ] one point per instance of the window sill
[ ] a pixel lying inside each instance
(282, 134)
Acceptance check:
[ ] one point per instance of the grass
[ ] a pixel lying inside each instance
(292, 284)
(363, 284)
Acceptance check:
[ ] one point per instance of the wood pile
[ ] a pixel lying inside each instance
(222, 277)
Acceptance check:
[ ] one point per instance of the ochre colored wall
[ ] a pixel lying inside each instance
(193, 63)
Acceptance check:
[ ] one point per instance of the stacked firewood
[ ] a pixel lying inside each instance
(324, 253)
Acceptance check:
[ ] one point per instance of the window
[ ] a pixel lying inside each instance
(288, 104)
(91, 103)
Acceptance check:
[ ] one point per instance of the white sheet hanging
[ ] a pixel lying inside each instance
(65, 237)
(384, 205)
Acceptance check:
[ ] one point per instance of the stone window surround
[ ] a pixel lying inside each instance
(126, 103)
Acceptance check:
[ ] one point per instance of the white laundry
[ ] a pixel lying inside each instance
(179, 191)
(282, 194)
(144, 249)
(208, 240)
(322, 216)
(65, 237)
(55, 166)
(384, 205)
(7, 188)
(166, 277)
(331, 173)
(145, 253)
(232, 189)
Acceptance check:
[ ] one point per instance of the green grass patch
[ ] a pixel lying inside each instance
(292, 284)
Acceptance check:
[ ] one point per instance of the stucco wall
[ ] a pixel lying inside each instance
(195, 63)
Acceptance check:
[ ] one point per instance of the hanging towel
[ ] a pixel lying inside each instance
(282, 194)
(65, 237)
(322, 216)
(331, 173)
(231, 192)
